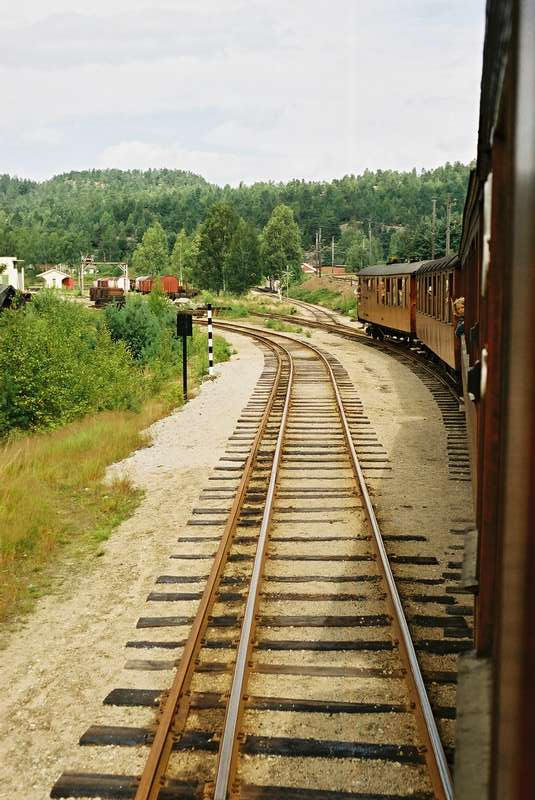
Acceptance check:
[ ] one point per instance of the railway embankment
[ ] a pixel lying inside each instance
(335, 295)
(77, 390)
(62, 659)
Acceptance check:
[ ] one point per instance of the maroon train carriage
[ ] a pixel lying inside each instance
(497, 255)
(437, 286)
(387, 301)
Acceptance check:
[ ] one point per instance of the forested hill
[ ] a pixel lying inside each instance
(106, 212)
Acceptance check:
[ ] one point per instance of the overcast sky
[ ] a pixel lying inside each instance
(238, 89)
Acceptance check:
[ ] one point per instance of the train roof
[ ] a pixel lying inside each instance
(446, 263)
(391, 269)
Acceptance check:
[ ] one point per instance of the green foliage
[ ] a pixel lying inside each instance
(343, 302)
(278, 325)
(183, 256)
(143, 325)
(354, 247)
(242, 261)
(58, 362)
(216, 234)
(151, 256)
(281, 243)
(106, 212)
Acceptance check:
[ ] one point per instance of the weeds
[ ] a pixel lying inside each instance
(52, 499)
(342, 300)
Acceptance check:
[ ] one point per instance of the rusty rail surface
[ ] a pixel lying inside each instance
(348, 332)
(177, 703)
(434, 752)
(175, 709)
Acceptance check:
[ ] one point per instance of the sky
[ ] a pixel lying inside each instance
(238, 90)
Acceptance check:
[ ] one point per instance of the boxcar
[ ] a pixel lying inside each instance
(387, 300)
(437, 284)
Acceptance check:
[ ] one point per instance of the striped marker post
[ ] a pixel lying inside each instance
(210, 340)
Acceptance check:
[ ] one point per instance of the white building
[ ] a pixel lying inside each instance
(53, 278)
(9, 274)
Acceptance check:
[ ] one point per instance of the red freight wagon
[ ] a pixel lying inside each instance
(168, 283)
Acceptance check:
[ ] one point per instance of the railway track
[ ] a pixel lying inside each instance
(297, 675)
(440, 384)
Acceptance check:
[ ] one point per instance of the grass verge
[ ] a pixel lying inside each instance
(53, 501)
(316, 291)
(284, 327)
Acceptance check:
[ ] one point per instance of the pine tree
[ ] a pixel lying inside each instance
(242, 267)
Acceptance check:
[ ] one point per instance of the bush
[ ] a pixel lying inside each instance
(146, 326)
(58, 362)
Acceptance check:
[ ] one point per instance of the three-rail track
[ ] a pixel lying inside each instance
(302, 498)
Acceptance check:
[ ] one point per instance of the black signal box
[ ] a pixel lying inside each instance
(184, 325)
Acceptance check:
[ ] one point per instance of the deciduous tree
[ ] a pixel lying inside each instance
(214, 241)
(281, 244)
(151, 255)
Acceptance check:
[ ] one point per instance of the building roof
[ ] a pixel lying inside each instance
(390, 269)
(57, 271)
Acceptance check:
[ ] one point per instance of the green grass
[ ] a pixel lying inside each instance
(330, 298)
(282, 327)
(246, 306)
(53, 502)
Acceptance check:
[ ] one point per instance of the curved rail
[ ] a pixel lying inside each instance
(434, 752)
(350, 333)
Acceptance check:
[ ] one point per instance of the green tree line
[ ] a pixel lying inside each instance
(107, 212)
(226, 253)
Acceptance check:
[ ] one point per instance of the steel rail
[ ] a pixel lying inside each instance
(227, 755)
(435, 757)
(176, 704)
(351, 333)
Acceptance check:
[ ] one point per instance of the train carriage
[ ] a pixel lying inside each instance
(387, 300)
(437, 286)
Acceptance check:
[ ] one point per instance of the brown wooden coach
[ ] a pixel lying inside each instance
(387, 301)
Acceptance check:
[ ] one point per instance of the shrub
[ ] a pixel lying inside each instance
(58, 362)
(145, 326)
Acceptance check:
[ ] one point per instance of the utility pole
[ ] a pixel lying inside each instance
(332, 252)
(370, 238)
(434, 228)
(124, 270)
(319, 251)
(448, 224)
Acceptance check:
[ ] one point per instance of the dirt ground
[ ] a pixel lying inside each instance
(66, 657)
(57, 668)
